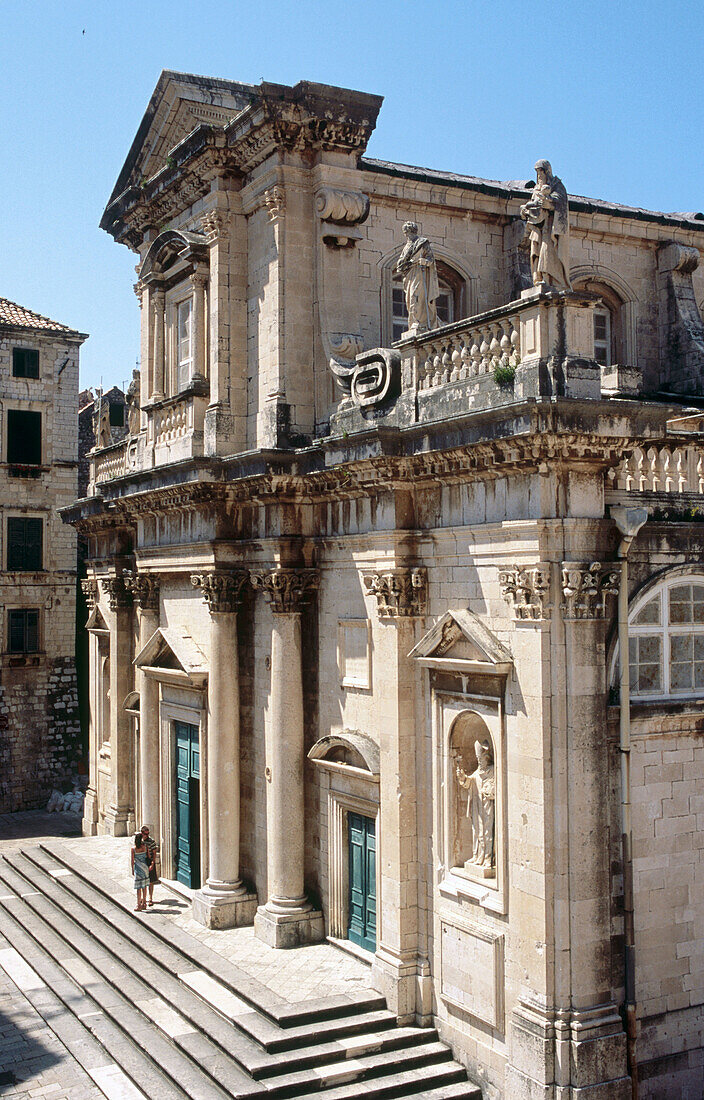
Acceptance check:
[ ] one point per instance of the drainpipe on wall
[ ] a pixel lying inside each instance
(629, 522)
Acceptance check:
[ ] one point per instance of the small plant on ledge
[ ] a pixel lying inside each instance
(504, 375)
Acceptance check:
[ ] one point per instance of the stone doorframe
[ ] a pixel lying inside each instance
(350, 763)
(193, 716)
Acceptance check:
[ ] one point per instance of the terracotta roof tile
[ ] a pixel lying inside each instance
(14, 316)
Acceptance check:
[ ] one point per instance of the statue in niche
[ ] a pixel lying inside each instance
(416, 265)
(547, 216)
(133, 406)
(481, 800)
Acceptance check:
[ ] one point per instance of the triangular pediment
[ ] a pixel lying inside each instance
(461, 639)
(180, 103)
(96, 621)
(172, 651)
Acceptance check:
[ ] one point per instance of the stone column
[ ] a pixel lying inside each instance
(120, 812)
(224, 901)
(287, 919)
(399, 971)
(199, 281)
(158, 345)
(90, 805)
(145, 591)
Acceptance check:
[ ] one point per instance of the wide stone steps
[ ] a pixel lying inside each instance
(181, 1021)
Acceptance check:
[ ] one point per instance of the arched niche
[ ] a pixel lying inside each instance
(472, 796)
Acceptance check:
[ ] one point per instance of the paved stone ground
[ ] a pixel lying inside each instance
(33, 826)
(33, 1062)
(306, 973)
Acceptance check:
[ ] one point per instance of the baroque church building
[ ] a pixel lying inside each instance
(411, 458)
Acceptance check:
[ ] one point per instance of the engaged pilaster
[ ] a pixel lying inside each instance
(145, 593)
(119, 814)
(223, 902)
(287, 919)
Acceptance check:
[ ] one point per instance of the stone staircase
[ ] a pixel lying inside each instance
(175, 1020)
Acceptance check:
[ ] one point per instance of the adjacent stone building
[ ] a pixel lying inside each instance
(39, 729)
(412, 451)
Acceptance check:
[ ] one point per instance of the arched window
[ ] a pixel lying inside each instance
(666, 640)
(609, 335)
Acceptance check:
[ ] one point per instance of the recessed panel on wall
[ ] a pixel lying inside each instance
(472, 971)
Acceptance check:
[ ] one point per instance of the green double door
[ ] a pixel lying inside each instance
(187, 805)
(362, 900)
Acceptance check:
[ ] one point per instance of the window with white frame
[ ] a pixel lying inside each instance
(666, 641)
(184, 343)
(602, 337)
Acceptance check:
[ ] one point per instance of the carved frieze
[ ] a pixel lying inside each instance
(91, 592)
(585, 588)
(400, 593)
(527, 590)
(287, 590)
(117, 592)
(144, 589)
(222, 590)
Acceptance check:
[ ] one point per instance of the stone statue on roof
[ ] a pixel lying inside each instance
(133, 403)
(416, 265)
(547, 216)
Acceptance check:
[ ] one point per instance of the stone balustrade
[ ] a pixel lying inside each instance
(110, 462)
(669, 469)
(172, 420)
(469, 349)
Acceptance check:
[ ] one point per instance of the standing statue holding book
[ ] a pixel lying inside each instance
(416, 265)
(547, 216)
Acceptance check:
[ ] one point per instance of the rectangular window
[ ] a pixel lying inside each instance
(24, 543)
(25, 363)
(184, 343)
(602, 337)
(117, 416)
(24, 438)
(646, 664)
(23, 631)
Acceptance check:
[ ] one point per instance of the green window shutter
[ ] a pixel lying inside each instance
(15, 544)
(25, 363)
(32, 632)
(15, 640)
(33, 544)
(24, 544)
(24, 437)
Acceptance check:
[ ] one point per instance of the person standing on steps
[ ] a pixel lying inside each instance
(152, 850)
(139, 861)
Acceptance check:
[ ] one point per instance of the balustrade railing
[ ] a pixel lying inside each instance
(468, 350)
(173, 420)
(110, 462)
(661, 470)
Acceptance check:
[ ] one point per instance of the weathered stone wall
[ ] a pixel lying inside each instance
(41, 741)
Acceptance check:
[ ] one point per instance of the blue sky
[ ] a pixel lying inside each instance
(612, 93)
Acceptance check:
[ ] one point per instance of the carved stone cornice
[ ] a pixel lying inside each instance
(527, 590)
(222, 589)
(117, 592)
(585, 588)
(400, 593)
(90, 590)
(144, 589)
(287, 590)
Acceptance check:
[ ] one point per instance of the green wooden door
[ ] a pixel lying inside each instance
(362, 899)
(187, 805)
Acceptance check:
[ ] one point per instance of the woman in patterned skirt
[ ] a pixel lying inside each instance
(139, 859)
(152, 849)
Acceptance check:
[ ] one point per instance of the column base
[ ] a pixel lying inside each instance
(89, 825)
(405, 983)
(223, 908)
(117, 821)
(288, 929)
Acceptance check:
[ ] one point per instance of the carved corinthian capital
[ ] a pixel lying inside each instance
(215, 225)
(222, 591)
(90, 590)
(274, 199)
(117, 592)
(287, 590)
(586, 587)
(144, 589)
(400, 593)
(527, 590)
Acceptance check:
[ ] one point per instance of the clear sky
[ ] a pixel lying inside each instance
(612, 93)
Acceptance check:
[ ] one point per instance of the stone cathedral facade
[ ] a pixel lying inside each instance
(359, 572)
